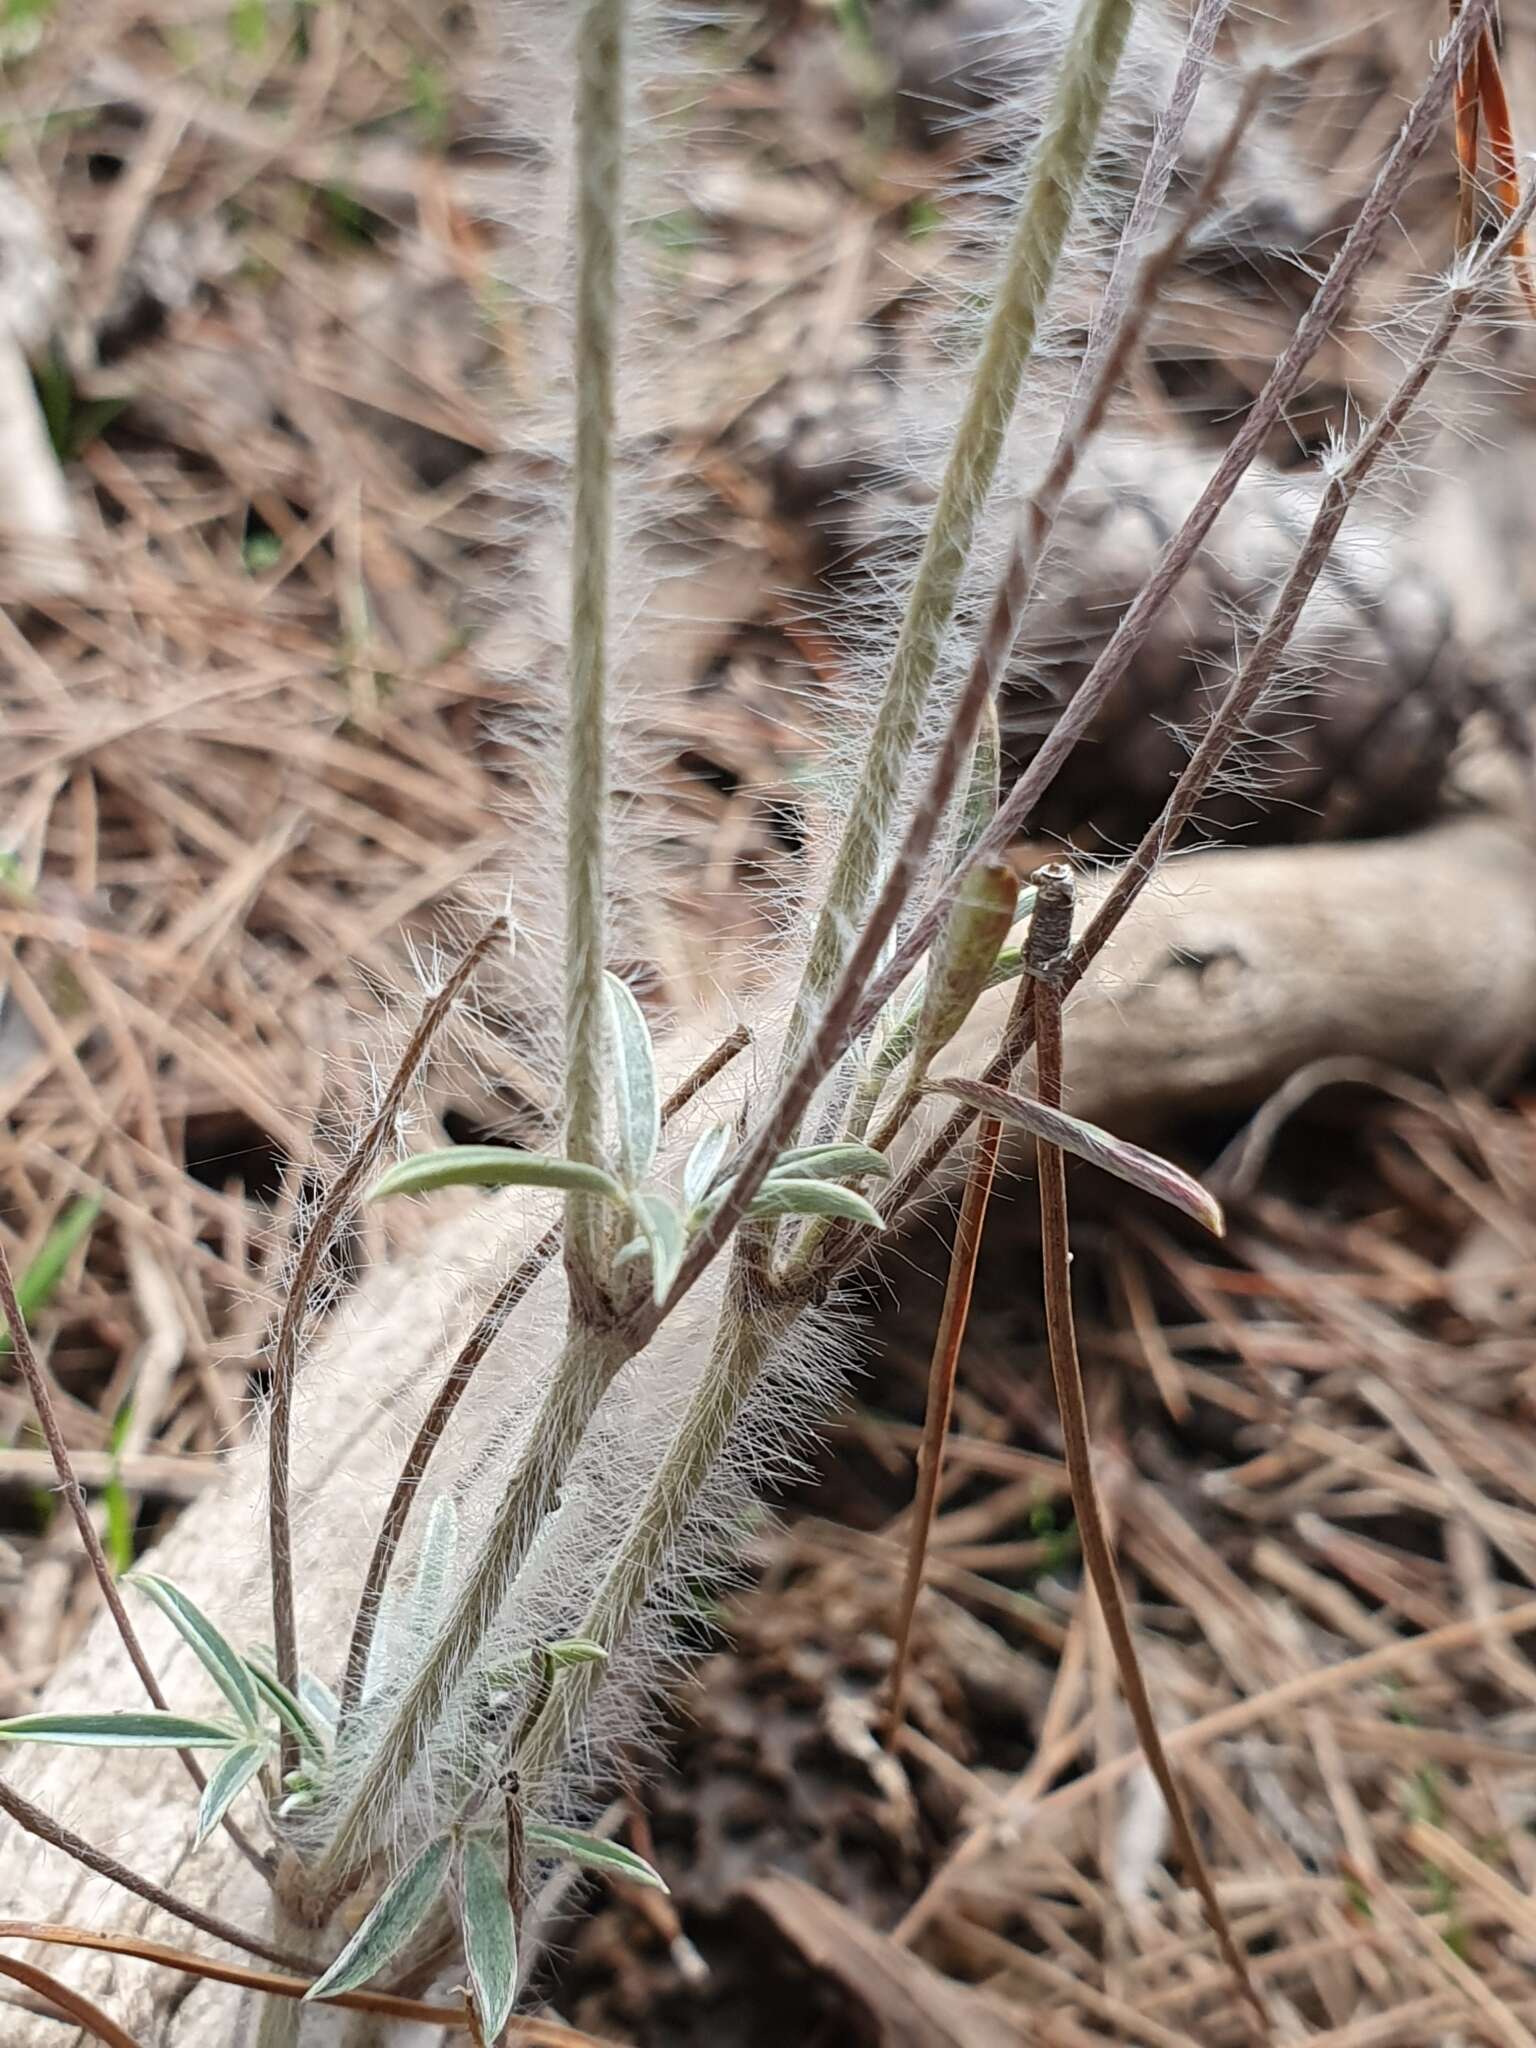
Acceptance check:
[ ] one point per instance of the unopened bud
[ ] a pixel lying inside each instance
(964, 956)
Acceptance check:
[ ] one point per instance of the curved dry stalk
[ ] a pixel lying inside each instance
(57, 1836)
(341, 1198)
(41, 1394)
(942, 1374)
(534, 2033)
(1098, 1553)
(74, 2005)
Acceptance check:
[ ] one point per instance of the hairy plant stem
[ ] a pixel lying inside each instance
(470, 1357)
(1071, 1401)
(748, 1332)
(582, 1375)
(1419, 129)
(598, 218)
(1082, 92)
(13, 1319)
(340, 1201)
(1228, 722)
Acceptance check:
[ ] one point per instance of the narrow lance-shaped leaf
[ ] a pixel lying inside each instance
(318, 1700)
(146, 1729)
(288, 1710)
(612, 1859)
(490, 1938)
(223, 1664)
(1145, 1170)
(400, 1911)
(814, 1198)
(704, 1162)
(838, 1161)
(493, 1166)
(636, 1094)
(664, 1231)
(225, 1783)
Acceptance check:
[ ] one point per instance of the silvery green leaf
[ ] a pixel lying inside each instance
(841, 1161)
(575, 1650)
(634, 1082)
(318, 1700)
(434, 1567)
(665, 1233)
(493, 1166)
(704, 1162)
(287, 1709)
(490, 1938)
(225, 1783)
(223, 1665)
(813, 1198)
(637, 1248)
(146, 1729)
(611, 1858)
(405, 1903)
(1144, 1170)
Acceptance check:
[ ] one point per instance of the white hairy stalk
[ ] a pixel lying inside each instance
(1083, 88)
(600, 90)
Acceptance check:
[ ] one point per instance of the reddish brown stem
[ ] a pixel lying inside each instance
(942, 1372)
(1098, 1554)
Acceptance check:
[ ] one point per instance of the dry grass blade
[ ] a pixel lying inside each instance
(72, 2004)
(1066, 1372)
(341, 1198)
(69, 1485)
(535, 2033)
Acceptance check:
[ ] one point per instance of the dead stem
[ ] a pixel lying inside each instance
(1098, 1555)
(941, 1400)
(339, 1201)
(69, 1485)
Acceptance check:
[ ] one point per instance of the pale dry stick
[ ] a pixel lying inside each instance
(341, 1198)
(1515, 1907)
(46, 1829)
(1442, 1961)
(456, 1381)
(41, 1395)
(1253, 677)
(1418, 131)
(1071, 1401)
